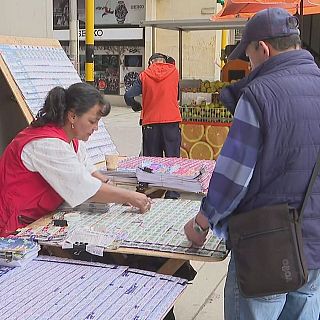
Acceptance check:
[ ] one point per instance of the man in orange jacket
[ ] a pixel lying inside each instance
(158, 85)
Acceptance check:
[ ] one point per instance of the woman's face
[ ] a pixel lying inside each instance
(84, 125)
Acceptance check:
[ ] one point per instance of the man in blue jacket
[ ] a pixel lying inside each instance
(268, 157)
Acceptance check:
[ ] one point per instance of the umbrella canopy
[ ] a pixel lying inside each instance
(246, 9)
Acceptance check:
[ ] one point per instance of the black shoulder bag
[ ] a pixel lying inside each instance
(267, 247)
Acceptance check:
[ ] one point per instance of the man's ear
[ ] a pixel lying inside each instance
(266, 48)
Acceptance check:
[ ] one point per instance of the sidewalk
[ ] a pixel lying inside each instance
(203, 299)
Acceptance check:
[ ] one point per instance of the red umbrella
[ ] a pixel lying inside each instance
(246, 9)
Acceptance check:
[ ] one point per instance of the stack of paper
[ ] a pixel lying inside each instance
(17, 252)
(122, 175)
(171, 173)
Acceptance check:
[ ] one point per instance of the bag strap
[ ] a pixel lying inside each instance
(313, 178)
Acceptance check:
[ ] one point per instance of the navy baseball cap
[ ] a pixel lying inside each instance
(266, 24)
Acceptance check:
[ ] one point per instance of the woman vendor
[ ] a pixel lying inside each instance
(46, 163)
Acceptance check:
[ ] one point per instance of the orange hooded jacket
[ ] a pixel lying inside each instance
(159, 94)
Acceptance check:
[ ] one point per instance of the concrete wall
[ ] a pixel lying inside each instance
(201, 49)
(26, 18)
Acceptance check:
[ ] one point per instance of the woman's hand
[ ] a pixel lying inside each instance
(108, 194)
(140, 201)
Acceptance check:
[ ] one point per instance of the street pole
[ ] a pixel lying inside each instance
(89, 68)
(180, 53)
(224, 42)
(73, 23)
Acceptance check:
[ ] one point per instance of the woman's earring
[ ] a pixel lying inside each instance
(72, 126)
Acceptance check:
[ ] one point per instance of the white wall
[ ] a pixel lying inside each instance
(26, 18)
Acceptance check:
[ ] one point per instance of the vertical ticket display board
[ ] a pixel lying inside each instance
(30, 68)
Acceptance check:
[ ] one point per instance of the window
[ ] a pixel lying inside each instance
(133, 61)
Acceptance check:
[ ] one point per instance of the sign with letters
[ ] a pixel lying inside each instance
(107, 12)
(119, 12)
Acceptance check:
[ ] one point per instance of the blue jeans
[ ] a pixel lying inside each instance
(303, 304)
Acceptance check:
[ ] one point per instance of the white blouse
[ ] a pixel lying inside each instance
(67, 172)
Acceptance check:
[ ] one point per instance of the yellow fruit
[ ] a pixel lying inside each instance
(186, 145)
(192, 132)
(201, 150)
(206, 84)
(183, 153)
(216, 151)
(216, 135)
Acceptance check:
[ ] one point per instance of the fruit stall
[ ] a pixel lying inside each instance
(205, 121)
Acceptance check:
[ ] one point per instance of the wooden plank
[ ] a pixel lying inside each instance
(163, 254)
(41, 42)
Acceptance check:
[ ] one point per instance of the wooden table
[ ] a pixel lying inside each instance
(173, 263)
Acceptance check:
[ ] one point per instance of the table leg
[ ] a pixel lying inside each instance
(118, 258)
(155, 194)
(171, 266)
(58, 252)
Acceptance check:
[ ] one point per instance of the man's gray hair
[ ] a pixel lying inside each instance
(282, 43)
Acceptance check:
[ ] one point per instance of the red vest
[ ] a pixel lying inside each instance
(22, 192)
(160, 93)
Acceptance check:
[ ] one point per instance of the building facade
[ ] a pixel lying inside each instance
(122, 48)
(119, 41)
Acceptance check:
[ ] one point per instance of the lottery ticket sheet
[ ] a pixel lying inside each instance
(160, 229)
(57, 289)
(36, 70)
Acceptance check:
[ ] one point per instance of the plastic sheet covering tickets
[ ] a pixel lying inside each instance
(56, 289)
(36, 70)
(160, 229)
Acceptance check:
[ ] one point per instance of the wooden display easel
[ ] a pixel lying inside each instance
(14, 111)
(29, 69)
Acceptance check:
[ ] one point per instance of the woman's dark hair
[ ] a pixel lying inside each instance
(79, 97)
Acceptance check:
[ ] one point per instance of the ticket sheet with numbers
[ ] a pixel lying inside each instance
(57, 289)
(160, 229)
